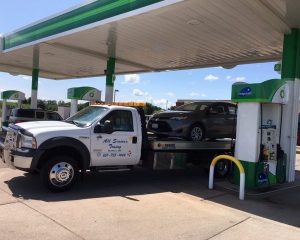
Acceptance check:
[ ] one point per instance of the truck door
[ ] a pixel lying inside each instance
(121, 146)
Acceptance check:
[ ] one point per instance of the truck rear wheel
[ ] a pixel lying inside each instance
(60, 173)
(222, 168)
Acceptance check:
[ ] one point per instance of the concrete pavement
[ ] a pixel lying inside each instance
(142, 205)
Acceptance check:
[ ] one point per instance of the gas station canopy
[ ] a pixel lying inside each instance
(151, 35)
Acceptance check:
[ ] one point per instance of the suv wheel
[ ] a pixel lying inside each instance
(59, 173)
(196, 133)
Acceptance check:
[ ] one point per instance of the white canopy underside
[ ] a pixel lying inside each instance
(187, 34)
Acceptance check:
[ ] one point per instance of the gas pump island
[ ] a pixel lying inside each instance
(10, 95)
(259, 132)
(82, 93)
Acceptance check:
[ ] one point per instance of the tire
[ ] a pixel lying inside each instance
(59, 173)
(196, 133)
(222, 168)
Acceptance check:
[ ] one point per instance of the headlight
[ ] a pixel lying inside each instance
(178, 118)
(25, 141)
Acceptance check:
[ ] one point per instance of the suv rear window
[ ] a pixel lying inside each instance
(24, 113)
(53, 116)
(40, 115)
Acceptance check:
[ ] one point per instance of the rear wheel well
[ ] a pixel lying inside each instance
(198, 123)
(61, 150)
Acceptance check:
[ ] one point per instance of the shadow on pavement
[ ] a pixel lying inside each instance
(108, 184)
(283, 207)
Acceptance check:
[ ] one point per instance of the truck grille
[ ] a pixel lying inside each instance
(11, 140)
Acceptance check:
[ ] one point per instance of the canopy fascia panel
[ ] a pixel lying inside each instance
(81, 18)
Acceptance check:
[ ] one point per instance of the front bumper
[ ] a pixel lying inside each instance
(22, 159)
(171, 128)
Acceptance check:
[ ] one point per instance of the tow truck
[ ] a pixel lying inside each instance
(100, 137)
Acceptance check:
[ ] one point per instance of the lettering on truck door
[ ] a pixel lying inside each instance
(120, 147)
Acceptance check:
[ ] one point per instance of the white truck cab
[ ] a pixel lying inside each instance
(97, 136)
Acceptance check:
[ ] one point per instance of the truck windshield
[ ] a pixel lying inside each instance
(87, 116)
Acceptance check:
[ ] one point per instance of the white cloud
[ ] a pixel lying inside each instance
(211, 78)
(228, 77)
(194, 94)
(149, 99)
(236, 79)
(203, 95)
(139, 93)
(240, 79)
(132, 79)
(160, 102)
(170, 94)
(25, 77)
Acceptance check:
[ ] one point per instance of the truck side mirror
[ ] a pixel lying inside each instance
(106, 128)
(98, 128)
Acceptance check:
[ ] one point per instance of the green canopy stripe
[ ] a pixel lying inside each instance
(87, 14)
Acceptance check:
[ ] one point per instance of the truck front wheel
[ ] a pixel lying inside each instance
(60, 173)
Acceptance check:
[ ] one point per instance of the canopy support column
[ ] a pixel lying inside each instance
(74, 109)
(110, 78)
(35, 77)
(34, 88)
(4, 112)
(291, 74)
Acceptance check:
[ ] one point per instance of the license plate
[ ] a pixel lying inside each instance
(154, 125)
(9, 140)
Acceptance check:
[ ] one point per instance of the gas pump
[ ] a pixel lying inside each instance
(82, 93)
(10, 95)
(258, 133)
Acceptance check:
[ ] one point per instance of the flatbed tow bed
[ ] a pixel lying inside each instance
(181, 145)
(165, 153)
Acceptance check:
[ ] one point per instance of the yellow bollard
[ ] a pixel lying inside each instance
(238, 164)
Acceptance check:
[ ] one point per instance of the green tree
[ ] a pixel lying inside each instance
(41, 104)
(150, 109)
(51, 105)
(63, 104)
(82, 105)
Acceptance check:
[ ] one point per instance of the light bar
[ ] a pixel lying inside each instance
(125, 104)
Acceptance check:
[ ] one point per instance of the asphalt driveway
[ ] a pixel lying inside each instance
(142, 205)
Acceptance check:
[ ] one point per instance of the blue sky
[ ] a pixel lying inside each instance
(158, 88)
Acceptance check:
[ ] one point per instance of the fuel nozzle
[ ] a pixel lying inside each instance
(266, 168)
(266, 154)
